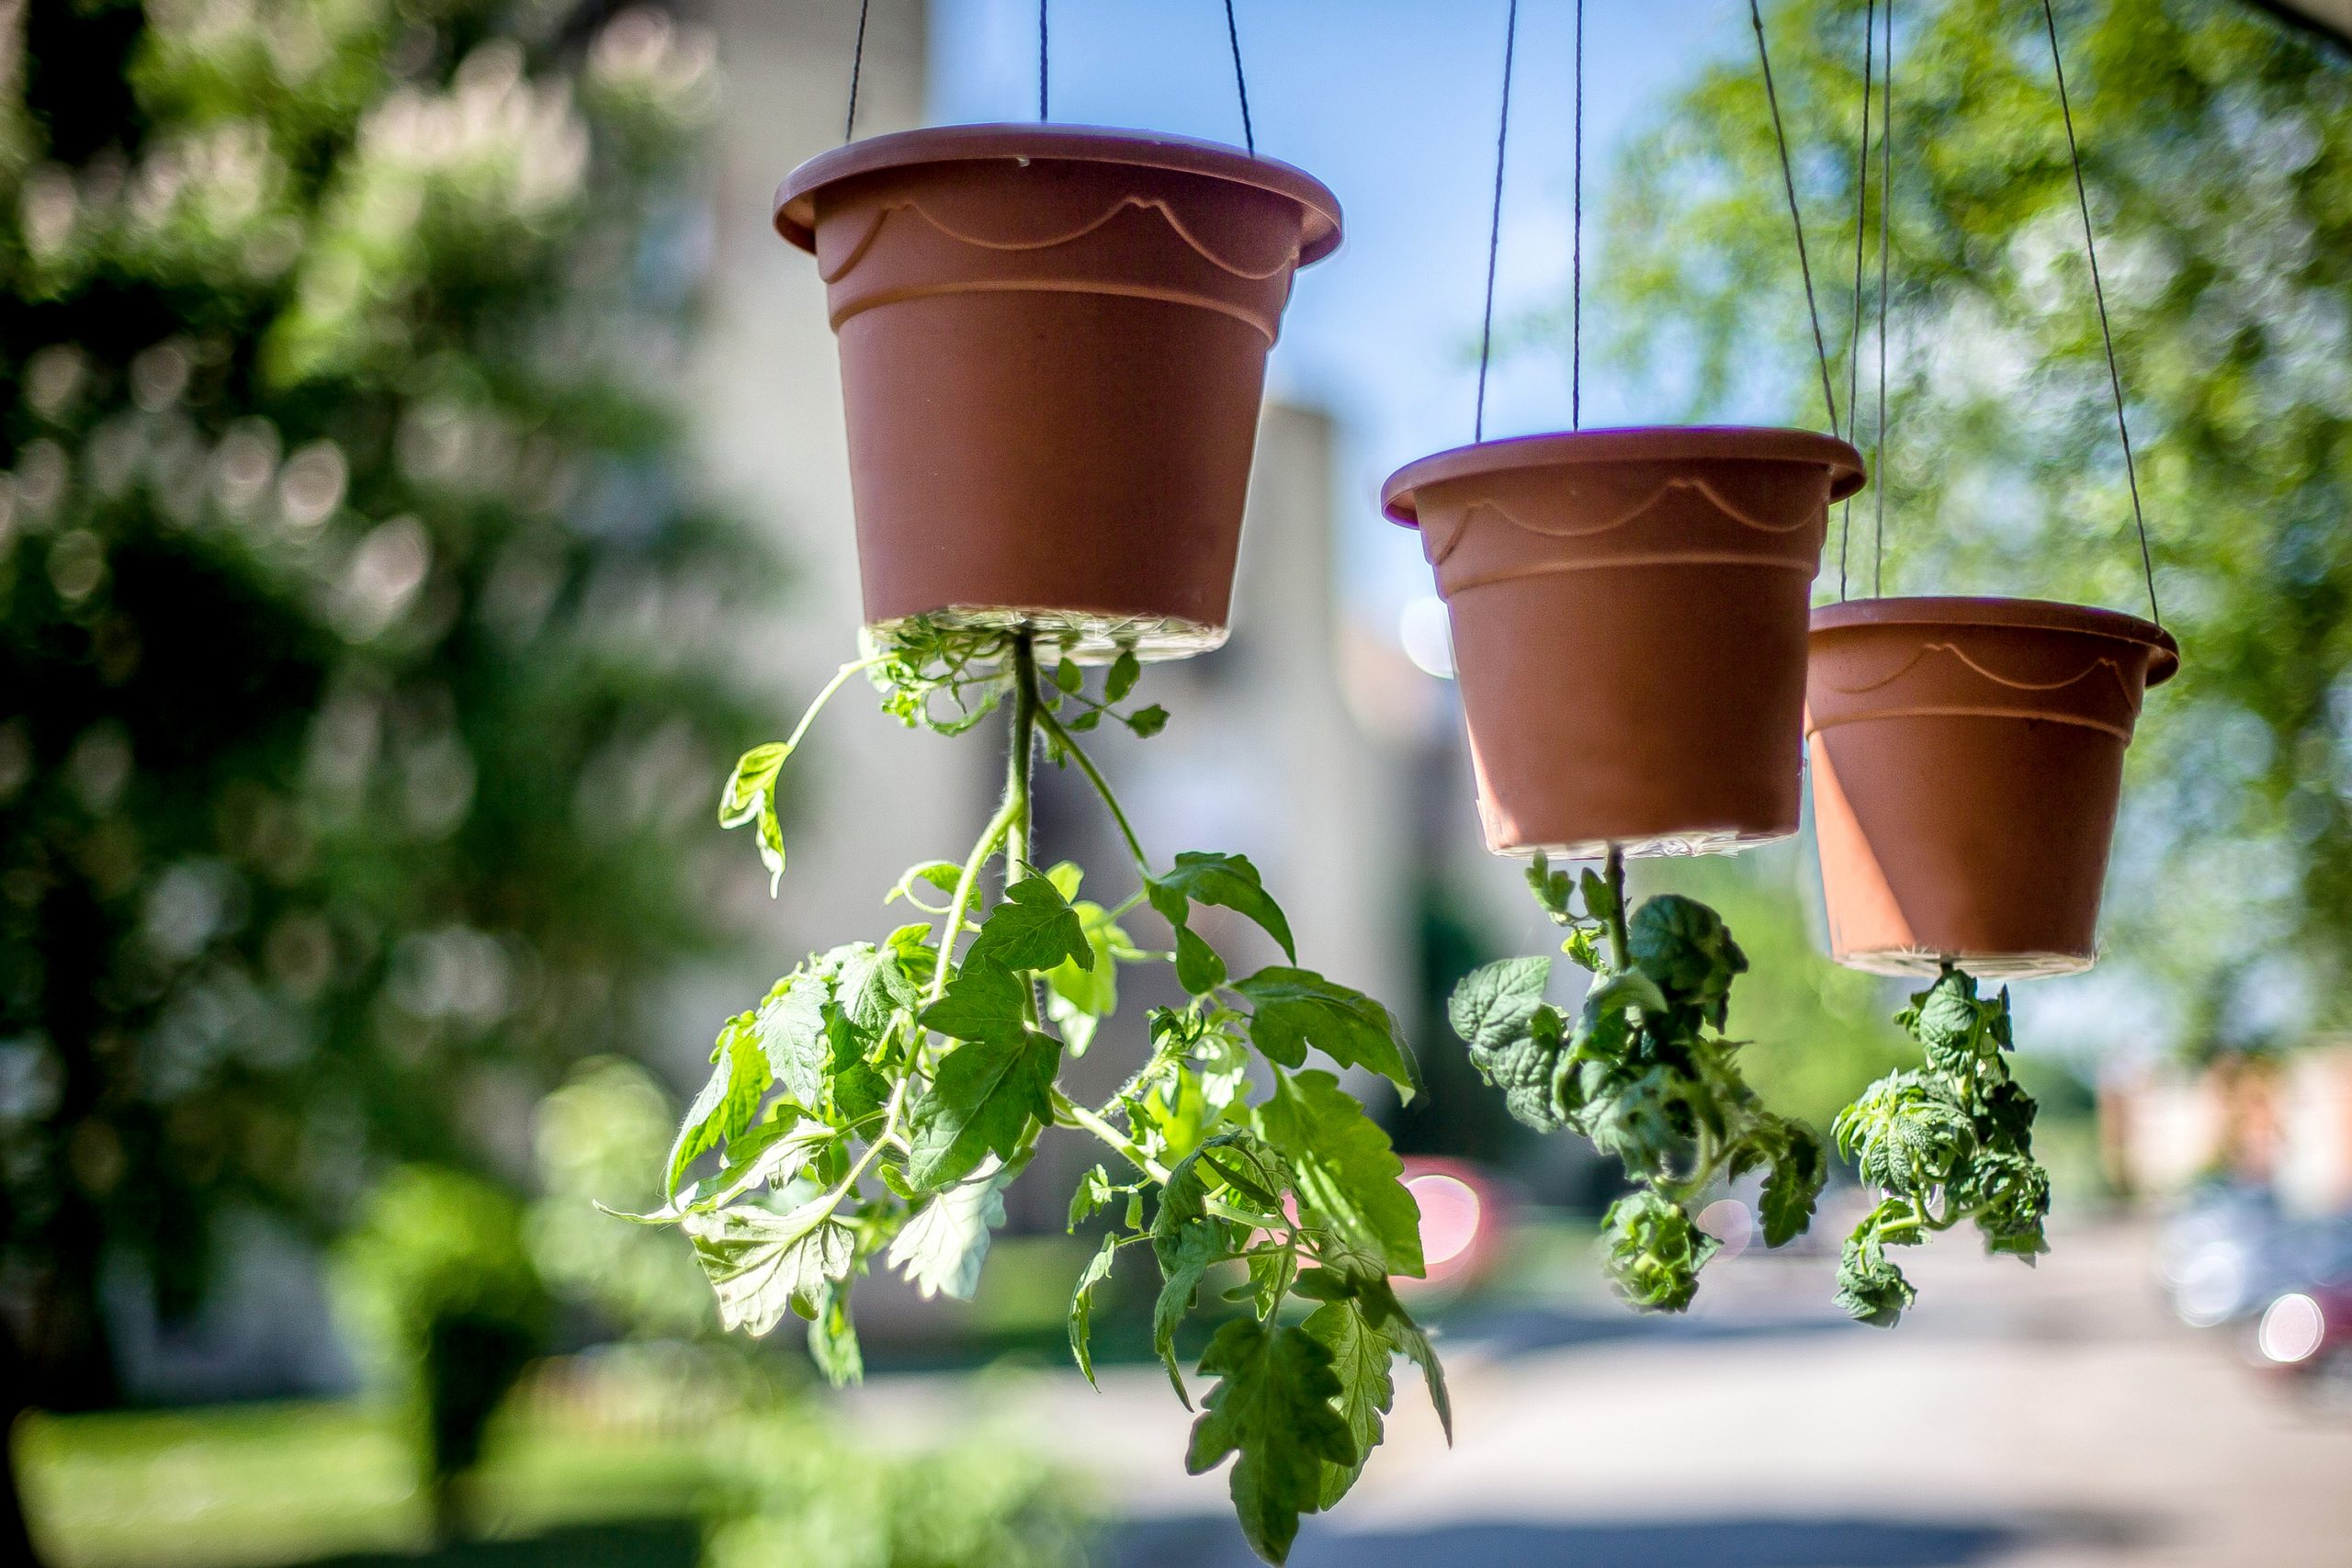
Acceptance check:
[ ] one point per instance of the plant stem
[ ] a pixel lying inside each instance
(1022, 751)
(1613, 873)
(1070, 1114)
(1103, 787)
(840, 677)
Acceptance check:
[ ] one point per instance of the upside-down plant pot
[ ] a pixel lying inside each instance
(1967, 762)
(1628, 610)
(1052, 346)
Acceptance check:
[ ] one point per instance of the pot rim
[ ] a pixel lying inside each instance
(2037, 615)
(1629, 444)
(796, 198)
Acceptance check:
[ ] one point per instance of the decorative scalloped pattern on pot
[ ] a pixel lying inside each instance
(1967, 767)
(1085, 228)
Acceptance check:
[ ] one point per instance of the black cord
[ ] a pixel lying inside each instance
(1241, 83)
(1495, 227)
(2098, 294)
(1576, 251)
(1885, 218)
(856, 66)
(1796, 216)
(1042, 54)
(1861, 222)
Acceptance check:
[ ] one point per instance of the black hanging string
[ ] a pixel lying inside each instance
(1796, 214)
(1241, 83)
(1495, 227)
(1042, 99)
(1861, 222)
(1886, 218)
(1576, 250)
(856, 66)
(2099, 295)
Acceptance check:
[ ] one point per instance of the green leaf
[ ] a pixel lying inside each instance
(1871, 1289)
(791, 1029)
(1227, 881)
(1798, 1172)
(983, 1002)
(1124, 670)
(1147, 722)
(982, 1099)
(1092, 1194)
(740, 798)
(1032, 928)
(1653, 1251)
(1685, 947)
(1079, 997)
(1271, 1405)
(1298, 1007)
(871, 987)
(1491, 1005)
(728, 1102)
(1081, 1304)
(763, 1264)
(1186, 1241)
(1342, 1168)
(832, 1337)
(940, 1249)
(1198, 968)
(749, 795)
(1068, 676)
(1360, 1357)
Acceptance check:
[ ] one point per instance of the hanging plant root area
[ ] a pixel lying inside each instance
(1083, 635)
(1917, 963)
(1658, 846)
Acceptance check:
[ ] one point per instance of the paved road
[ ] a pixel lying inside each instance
(2025, 1418)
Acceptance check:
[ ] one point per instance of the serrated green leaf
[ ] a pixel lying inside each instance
(1790, 1192)
(1491, 1005)
(1272, 1405)
(1081, 1304)
(871, 987)
(1144, 723)
(749, 790)
(983, 1002)
(1360, 1357)
(1292, 1009)
(1342, 1168)
(1092, 1193)
(940, 1248)
(790, 1026)
(1228, 881)
(762, 1265)
(728, 1102)
(1033, 926)
(981, 1101)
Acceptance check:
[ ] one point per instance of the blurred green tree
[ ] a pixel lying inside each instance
(364, 653)
(437, 1289)
(2217, 144)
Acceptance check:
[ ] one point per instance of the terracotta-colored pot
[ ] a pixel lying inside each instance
(1053, 345)
(1629, 627)
(1967, 760)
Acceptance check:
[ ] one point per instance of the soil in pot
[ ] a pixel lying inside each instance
(1967, 764)
(1052, 345)
(1629, 614)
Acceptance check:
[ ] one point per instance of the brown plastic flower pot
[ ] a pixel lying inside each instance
(1967, 762)
(1629, 627)
(1053, 345)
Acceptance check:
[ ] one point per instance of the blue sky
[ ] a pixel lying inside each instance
(1391, 103)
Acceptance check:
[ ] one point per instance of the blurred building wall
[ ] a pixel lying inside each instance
(866, 798)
